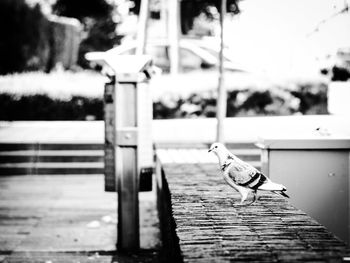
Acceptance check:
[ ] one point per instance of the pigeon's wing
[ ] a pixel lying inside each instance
(244, 174)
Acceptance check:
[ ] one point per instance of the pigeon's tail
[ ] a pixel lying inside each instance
(271, 186)
(275, 188)
(282, 193)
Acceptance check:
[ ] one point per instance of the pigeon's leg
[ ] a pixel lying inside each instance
(244, 193)
(254, 197)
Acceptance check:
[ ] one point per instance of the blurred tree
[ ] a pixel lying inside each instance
(190, 9)
(83, 9)
(24, 43)
(340, 73)
(97, 18)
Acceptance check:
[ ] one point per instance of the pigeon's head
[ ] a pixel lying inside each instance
(216, 147)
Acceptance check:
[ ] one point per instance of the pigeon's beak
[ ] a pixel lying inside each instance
(210, 150)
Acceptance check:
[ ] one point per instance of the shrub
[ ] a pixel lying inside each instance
(305, 99)
(313, 98)
(42, 107)
(78, 96)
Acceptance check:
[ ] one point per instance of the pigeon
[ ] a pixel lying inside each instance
(243, 177)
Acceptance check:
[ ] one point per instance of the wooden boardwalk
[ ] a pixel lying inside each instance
(204, 222)
(68, 219)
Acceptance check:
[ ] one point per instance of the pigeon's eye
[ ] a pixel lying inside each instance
(216, 146)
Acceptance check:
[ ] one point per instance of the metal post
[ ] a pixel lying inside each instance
(128, 186)
(110, 129)
(128, 113)
(222, 96)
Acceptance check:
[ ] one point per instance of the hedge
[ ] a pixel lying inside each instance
(42, 107)
(302, 99)
(305, 99)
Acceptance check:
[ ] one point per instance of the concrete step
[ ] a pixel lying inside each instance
(51, 168)
(87, 152)
(82, 158)
(50, 146)
(51, 158)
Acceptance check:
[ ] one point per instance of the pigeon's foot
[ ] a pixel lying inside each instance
(251, 202)
(255, 198)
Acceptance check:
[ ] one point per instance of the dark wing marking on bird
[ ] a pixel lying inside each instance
(251, 178)
(256, 177)
(261, 181)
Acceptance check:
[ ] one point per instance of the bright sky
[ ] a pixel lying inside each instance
(274, 35)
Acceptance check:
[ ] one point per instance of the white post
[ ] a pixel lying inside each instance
(173, 35)
(142, 27)
(222, 96)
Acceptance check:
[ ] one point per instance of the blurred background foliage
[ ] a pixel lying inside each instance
(307, 98)
(25, 32)
(96, 17)
(42, 107)
(44, 40)
(190, 9)
(31, 41)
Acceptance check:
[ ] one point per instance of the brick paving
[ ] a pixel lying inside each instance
(209, 225)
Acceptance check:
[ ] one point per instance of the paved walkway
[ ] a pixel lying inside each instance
(67, 219)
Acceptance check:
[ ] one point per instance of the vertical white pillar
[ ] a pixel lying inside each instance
(222, 96)
(142, 27)
(173, 35)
